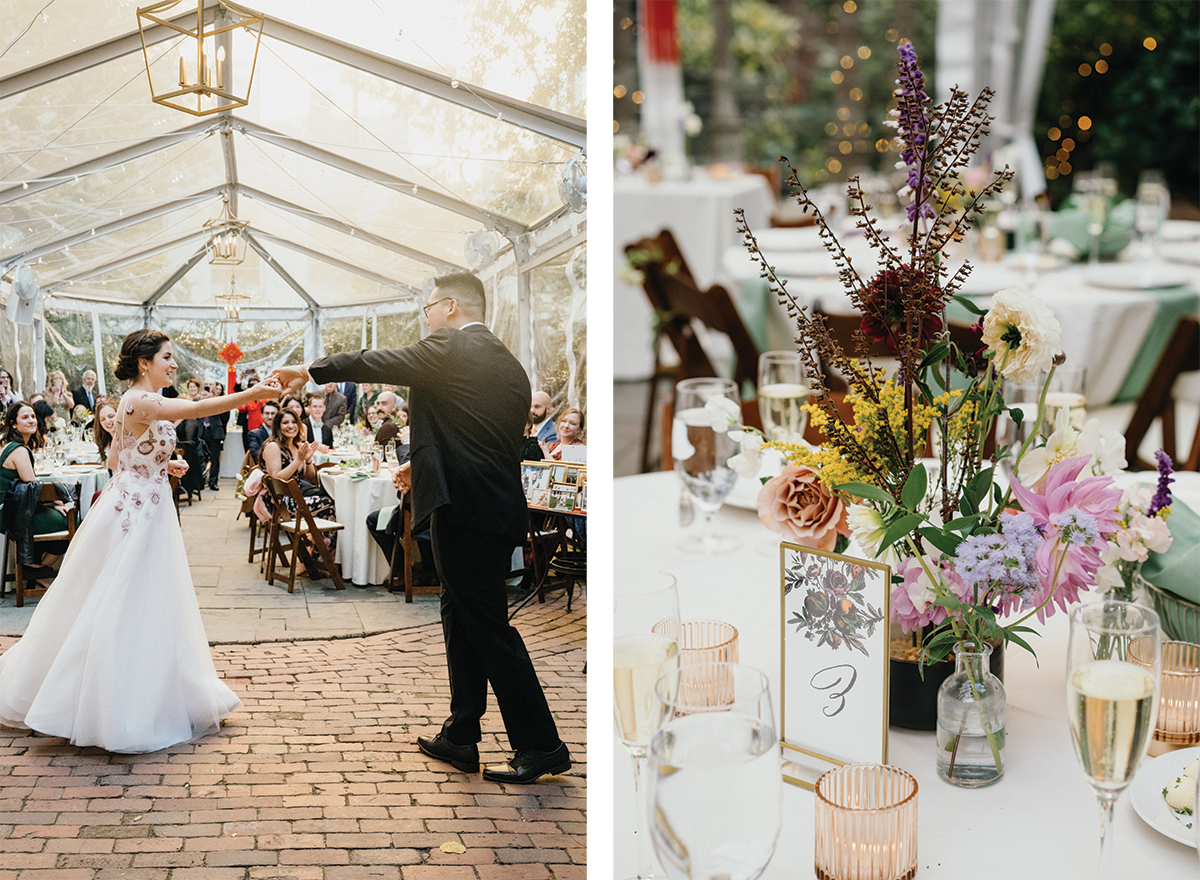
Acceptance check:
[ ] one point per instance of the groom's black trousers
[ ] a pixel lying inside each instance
(481, 645)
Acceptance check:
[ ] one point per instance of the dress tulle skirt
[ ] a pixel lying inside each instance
(115, 655)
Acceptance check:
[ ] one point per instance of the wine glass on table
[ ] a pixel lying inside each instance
(782, 392)
(645, 647)
(716, 786)
(702, 452)
(1114, 669)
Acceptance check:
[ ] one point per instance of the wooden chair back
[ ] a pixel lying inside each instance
(22, 584)
(1181, 355)
(303, 524)
(402, 555)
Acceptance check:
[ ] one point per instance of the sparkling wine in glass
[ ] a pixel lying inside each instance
(702, 454)
(1068, 390)
(716, 786)
(782, 392)
(645, 647)
(1114, 667)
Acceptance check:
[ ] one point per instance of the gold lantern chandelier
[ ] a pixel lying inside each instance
(232, 302)
(205, 82)
(226, 241)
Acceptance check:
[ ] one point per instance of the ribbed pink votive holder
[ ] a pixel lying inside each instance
(866, 823)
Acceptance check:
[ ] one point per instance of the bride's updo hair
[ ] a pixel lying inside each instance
(138, 345)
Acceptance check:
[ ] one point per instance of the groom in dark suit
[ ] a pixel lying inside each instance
(470, 399)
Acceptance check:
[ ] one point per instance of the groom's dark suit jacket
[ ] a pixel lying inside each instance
(469, 401)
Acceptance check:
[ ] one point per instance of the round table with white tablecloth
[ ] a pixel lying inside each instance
(360, 558)
(1040, 821)
(91, 479)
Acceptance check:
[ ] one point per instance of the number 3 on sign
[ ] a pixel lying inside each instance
(842, 676)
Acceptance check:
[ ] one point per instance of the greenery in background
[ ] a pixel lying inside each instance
(76, 331)
(785, 53)
(1144, 110)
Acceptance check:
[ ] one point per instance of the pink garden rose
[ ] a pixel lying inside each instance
(797, 505)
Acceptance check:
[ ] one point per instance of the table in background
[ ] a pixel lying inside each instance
(1040, 821)
(90, 479)
(360, 557)
(233, 452)
(1118, 333)
(699, 212)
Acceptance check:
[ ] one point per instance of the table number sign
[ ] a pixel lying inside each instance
(834, 626)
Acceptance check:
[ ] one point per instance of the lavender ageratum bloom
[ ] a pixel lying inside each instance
(1003, 560)
(912, 130)
(1162, 497)
(1076, 527)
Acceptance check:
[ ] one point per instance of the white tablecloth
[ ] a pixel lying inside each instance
(232, 452)
(361, 559)
(1040, 821)
(90, 481)
(699, 213)
(1103, 326)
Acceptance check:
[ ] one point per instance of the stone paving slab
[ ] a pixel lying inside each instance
(317, 776)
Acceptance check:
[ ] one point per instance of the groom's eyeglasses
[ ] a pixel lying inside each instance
(434, 303)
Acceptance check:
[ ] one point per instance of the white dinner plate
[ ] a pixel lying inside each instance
(1148, 800)
(1181, 230)
(1137, 276)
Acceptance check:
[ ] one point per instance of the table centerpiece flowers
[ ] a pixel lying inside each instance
(975, 557)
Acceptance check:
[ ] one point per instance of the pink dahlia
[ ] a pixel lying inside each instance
(1061, 499)
(913, 597)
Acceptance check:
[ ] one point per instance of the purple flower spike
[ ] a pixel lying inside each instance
(912, 129)
(1162, 497)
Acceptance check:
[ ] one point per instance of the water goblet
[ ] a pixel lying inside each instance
(1112, 701)
(1153, 204)
(645, 647)
(782, 393)
(702, 447)
(716, 744)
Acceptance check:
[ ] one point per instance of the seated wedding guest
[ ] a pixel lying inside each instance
(193, 389)
(256, 438)
(104, 426)
(45, 415)
(531, 449)
(25, 516)
(58, 396)
(7, 395)
(367, 394)
(390, 417)
(570, 433)
(285, 456)
(87, 393)
(543, 427)
(250, 415)
(372, 420)
(315, 429)
(294, 404)
(336, 405)
(424, 572)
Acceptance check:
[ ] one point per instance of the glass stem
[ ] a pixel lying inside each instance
(705, 538)
(1107, 801)
(641, 832)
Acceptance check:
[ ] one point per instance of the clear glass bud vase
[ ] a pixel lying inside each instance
(970, 721)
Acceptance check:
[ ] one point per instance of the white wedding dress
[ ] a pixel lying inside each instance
(115, 655)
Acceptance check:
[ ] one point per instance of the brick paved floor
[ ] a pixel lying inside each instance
(317, 777)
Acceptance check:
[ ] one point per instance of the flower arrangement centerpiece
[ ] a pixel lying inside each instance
(973, 559)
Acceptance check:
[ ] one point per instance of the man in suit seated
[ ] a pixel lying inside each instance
(386, 537)
(544, 428)
(336, 405)
(256, 438)
(470, 401)
(389, 407)
(317, 430)
(86, 394)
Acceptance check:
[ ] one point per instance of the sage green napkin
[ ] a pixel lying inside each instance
(1178, 570)
(1071, 223)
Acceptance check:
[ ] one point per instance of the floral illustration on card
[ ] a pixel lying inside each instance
(834, 611)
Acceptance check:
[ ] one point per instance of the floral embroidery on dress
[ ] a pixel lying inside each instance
(142, 468)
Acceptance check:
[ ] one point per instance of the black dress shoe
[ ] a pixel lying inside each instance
(528, 764)
(464, 758)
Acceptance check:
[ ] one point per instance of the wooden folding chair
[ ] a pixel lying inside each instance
(49, 495)
(402, 556)
(678, 303)
(256, 528)
(175, 491)
(302, 525)
(1181, 355)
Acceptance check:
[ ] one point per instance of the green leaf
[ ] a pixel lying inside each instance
(1010, 636)
(866, 490)
(969, 305)
(980, 483)
(900, 528)
(945, 542)
(957, 525)
(914, 487)
(935, 355)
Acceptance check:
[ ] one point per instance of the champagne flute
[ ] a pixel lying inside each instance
(645, 647)
(1153, 205)
(716, 744)
(782, 392)
(1114, 664)
(702, 454)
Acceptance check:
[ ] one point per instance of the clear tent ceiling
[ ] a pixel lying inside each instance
(380, 137)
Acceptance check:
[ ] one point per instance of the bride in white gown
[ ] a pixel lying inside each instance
(115, 654)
